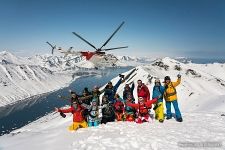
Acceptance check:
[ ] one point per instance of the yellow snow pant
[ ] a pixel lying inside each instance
(77, 125)
(159, 112)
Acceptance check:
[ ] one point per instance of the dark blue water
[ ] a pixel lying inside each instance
(22, 113)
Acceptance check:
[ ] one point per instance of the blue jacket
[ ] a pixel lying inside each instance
(111, 92)
(158, 91)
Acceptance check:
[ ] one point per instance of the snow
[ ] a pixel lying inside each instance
(50, 132)
(201, 100)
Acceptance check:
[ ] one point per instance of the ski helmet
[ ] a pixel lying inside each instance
(167, 78)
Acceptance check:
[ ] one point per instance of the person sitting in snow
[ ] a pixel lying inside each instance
(78, 119)
(119, 107)
(142, 109)
(158, 92)
(111, 90)
(170, 96)
(108, 114)
(143, 91)
(129, 111)
(128, 91)
(85, 99)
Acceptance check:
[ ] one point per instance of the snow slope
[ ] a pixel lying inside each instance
(50, 132)
(201, 99)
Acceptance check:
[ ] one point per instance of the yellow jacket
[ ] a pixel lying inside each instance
(170, 93)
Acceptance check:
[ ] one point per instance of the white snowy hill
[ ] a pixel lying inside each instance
(201, 99)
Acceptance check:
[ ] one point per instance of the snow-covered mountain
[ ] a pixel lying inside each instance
(200, 96)
(133, 61)
(22, 77)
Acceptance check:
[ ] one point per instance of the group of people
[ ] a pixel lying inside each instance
(88, 111)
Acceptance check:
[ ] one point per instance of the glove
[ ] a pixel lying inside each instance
(179, 76)
(63, 115)
(160, 96)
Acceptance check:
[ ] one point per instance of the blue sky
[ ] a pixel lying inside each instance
(191, 28)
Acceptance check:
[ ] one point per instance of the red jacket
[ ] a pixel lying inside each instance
(143, 91)
(119, 106)
(77, 114)
(143, 109)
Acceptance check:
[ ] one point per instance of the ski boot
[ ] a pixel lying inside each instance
(179, 120)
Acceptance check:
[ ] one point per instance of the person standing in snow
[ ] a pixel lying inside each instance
(108, 113)
(86, 97)
(128, 91)
(111, 90)
(143, 91)
(170, 96)
(78, 120)
(158, 92)
(74, 97)
(96, 94)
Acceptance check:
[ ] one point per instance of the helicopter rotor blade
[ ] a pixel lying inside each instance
(53, 47)
(112, 35)
(50, 44)
(84, 40)
(109, 49)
